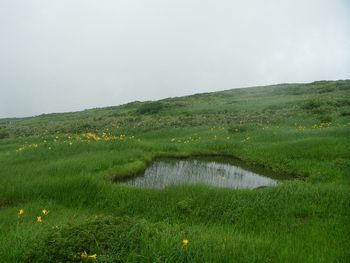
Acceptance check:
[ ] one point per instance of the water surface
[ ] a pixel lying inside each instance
(165, 172)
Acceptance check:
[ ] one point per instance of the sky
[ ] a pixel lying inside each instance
(70, 55)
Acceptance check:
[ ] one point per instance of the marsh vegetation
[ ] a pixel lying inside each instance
(66, 164)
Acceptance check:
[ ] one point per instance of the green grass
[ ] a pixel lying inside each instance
(299, 130)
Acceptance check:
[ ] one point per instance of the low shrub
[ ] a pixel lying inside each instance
(150, 108)
(325, 119)
(311, 104)
(109, 238)
(4, 135)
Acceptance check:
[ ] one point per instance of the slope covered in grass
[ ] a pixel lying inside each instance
(66, 163)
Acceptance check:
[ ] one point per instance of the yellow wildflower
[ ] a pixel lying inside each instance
(39, 219)
(92, 136)
(83, 255)
(45, 212)
(185, 243)
(93, 257)
(20, 212)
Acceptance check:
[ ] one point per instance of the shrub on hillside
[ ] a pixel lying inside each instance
(4, 135)
(312, 104)
(325, 119)
(150, 108)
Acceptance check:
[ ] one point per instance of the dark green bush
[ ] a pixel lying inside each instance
(339, 103)
(150, 108)
(4, 135)
(345, 113)
(325, 119)
(326, 89)
(109, 238)
(312, 104)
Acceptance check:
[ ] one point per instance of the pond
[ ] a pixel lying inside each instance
(218, 172)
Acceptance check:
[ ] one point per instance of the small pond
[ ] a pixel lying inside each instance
(218, 172)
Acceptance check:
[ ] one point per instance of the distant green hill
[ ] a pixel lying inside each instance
(318, 100)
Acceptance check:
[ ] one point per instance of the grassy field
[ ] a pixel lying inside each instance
(67, 163)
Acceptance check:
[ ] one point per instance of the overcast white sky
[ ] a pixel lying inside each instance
(68, 55)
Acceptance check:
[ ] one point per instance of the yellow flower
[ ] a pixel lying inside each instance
(185, 243)
(20, 212)
(84, 255)
(93, 257)
(39, 219)
(45, 212)
(91, 136)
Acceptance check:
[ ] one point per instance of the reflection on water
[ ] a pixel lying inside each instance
(167, 172)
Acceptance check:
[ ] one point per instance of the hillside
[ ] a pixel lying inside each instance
(68, 163)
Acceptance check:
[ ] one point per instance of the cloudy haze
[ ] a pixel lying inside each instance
(69, 55)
